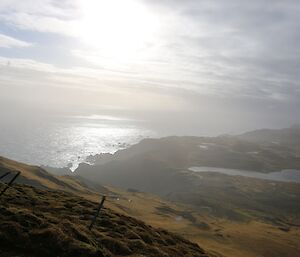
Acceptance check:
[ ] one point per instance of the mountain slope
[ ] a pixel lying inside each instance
(160, 166)
(232, 207)
(289, 137)
(156, 162)
(40, 178)
(47, 223)
(200, 221)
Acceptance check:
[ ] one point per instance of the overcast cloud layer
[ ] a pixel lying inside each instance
(220, 65)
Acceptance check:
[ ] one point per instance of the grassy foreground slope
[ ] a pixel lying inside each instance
(273, 235)
(53, 223)
(40, 178)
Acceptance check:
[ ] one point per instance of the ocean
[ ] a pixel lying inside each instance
(63, 141)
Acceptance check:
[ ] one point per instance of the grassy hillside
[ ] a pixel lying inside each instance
(159, 166)
(224, 211)
(38, 177)
(157, 160)
(289, 137)
(261, 150)
(224, 215)
(230, 237)
(47, 223)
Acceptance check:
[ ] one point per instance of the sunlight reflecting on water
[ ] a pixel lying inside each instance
(59, 143)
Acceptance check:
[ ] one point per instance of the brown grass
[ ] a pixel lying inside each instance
(47, 223)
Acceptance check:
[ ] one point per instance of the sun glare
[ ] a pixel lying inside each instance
(117, 29)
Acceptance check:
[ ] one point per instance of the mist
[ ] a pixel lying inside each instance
(200, 68)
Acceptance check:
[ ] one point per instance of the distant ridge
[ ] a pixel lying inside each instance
(286, 136)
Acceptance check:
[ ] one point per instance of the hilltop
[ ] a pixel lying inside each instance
(289, 137)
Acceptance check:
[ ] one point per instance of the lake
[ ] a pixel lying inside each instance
(287, 175)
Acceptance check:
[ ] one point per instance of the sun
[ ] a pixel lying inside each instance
(117, 29)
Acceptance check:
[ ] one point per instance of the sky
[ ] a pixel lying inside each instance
(201, 66)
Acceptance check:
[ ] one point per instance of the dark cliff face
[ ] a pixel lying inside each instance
(37, 222)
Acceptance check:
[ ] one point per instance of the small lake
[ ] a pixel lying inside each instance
(287, 175)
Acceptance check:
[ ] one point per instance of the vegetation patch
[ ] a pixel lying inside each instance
(51, 223)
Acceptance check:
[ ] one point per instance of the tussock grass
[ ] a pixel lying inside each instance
(48, 223)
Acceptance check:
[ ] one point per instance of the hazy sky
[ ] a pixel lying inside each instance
(200, 65)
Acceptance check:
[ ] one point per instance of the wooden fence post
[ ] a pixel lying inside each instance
(97, 212)
(10, 182)
(4, 175)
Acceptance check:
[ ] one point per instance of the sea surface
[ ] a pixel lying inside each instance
(283, 175)
(63, 141)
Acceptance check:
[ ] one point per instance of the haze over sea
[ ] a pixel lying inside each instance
(61, 140)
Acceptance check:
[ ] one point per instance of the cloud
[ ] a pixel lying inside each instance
(234, 47)
(210, 47)
(26, 64)
(38, 85)
(64, 9)
(48, 16)
(10, 42)
(39, 23)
